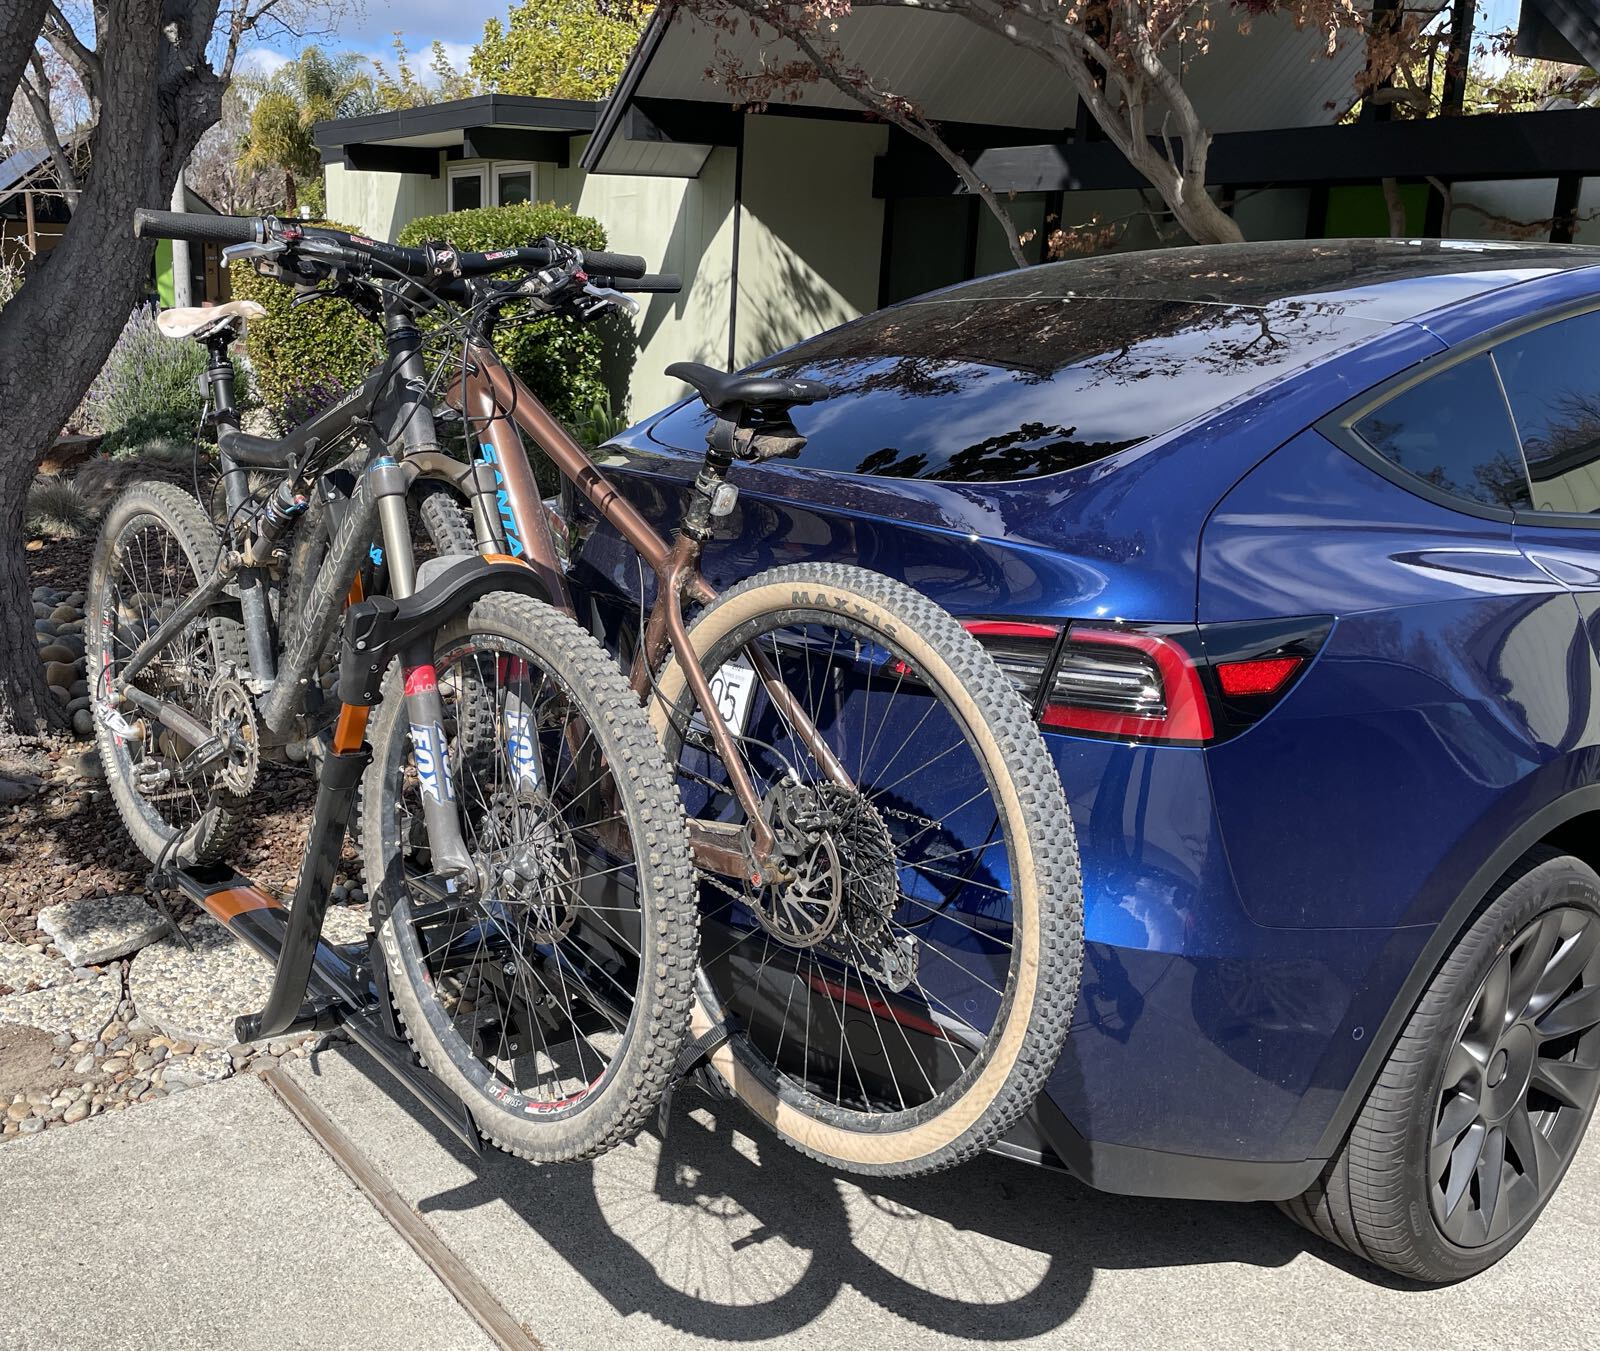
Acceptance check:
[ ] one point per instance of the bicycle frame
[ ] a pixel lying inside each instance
(492, 398)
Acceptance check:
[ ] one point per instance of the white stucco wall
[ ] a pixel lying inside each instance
(811, 232)
(380, 204)
(810, 238)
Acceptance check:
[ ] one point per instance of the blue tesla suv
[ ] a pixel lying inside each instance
(1294, 550)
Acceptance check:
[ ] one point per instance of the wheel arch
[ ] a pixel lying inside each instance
(1570, 823)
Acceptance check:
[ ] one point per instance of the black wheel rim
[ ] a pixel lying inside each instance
(149, 577)
(533, 987)
(1520, 1081)
(819, 1022)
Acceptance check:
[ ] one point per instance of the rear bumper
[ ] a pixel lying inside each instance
(1209, 1053)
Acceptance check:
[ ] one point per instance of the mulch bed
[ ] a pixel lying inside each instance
(68, 842)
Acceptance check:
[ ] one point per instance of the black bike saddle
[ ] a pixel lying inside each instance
(729, 394)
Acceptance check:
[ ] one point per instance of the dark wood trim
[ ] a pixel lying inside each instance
(1317, 212)
(969, 248)
(885, 252)
(1492, 146)
(733, 280)
(516, 143)
(484, 110)
(391, 159)
(1055, 206)
(1564, 216)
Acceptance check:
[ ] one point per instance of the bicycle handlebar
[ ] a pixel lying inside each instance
(193, 226)
(431, 261)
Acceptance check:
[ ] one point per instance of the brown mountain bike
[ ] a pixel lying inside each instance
(890, 903)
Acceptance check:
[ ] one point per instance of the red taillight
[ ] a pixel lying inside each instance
(1149, 683)
(1122, 683)
(1266, 675)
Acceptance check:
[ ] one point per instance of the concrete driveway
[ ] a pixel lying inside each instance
(720, 1236)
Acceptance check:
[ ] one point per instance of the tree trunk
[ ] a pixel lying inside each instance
(20, 22)
(1396, 209)
(57, 332)
(291, 195)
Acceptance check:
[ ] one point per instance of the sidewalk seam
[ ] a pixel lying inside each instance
(454, 1274)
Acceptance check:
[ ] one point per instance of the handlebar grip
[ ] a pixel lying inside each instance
(603, 264)
(666, 283)
(195, 226)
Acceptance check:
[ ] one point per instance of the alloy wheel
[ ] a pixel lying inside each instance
(1520, 1080)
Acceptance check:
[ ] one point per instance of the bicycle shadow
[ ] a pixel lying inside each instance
(722, 1231)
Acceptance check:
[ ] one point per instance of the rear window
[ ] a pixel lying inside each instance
(1052, 367)
(972, 386)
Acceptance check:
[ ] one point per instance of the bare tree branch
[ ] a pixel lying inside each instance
(37, 92)
(70, 47)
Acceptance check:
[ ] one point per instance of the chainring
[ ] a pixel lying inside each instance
(233, 718)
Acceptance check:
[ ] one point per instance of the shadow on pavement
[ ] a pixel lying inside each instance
(723, 1231)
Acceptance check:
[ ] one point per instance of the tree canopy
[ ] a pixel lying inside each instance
(314, 87)
(556, 49)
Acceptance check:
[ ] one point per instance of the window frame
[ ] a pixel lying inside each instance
(1339, 425)
(502, 167)
(457, 172)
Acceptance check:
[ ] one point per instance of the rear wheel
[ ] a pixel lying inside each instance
(1483, 1102)
(897, 1000)
(155, 547)
(554, 1001)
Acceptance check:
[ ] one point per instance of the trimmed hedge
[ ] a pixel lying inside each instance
(559, 360)
(304, 357)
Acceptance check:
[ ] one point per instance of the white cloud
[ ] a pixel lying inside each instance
(261, 61)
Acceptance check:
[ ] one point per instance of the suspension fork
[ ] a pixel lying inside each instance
(411, 426)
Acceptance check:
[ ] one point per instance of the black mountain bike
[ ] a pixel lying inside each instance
(544, 962)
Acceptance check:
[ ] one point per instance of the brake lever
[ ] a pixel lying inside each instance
(270, 249)
(604, 295)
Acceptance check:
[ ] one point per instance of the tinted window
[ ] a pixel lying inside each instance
(1453, 431)
(1552, 378)
(975, 387)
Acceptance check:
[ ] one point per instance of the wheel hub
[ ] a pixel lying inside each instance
(1518, 1082)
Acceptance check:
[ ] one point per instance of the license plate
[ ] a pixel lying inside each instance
(732, 684)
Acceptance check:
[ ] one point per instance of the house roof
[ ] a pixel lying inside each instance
(1560, 30)
(956, 72)
(498, 126)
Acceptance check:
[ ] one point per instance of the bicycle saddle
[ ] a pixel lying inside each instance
(729, 394)
(204, 321)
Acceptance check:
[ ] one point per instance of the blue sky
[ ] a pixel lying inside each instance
(459, 24)
(370, 29)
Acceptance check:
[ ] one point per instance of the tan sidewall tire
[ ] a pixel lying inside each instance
(897, 1151)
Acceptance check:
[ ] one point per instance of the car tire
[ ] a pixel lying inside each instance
(1386, 1196)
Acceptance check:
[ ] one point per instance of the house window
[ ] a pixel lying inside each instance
(513, 184)
(466, 188)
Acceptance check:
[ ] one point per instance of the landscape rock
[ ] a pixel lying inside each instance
(21, 969)
(97, 929)
(82, 1008)
(193, 997)
(60, 674)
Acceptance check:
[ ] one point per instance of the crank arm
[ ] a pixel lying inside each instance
(205, 744)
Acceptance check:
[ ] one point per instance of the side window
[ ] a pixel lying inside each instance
(1452, 431)
(1552, 378)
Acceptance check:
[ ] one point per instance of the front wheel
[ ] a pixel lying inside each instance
(897, 999)
(554, 999)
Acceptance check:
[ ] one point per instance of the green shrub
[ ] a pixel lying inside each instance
(148, 390)
(304, 357)
(558, 359)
